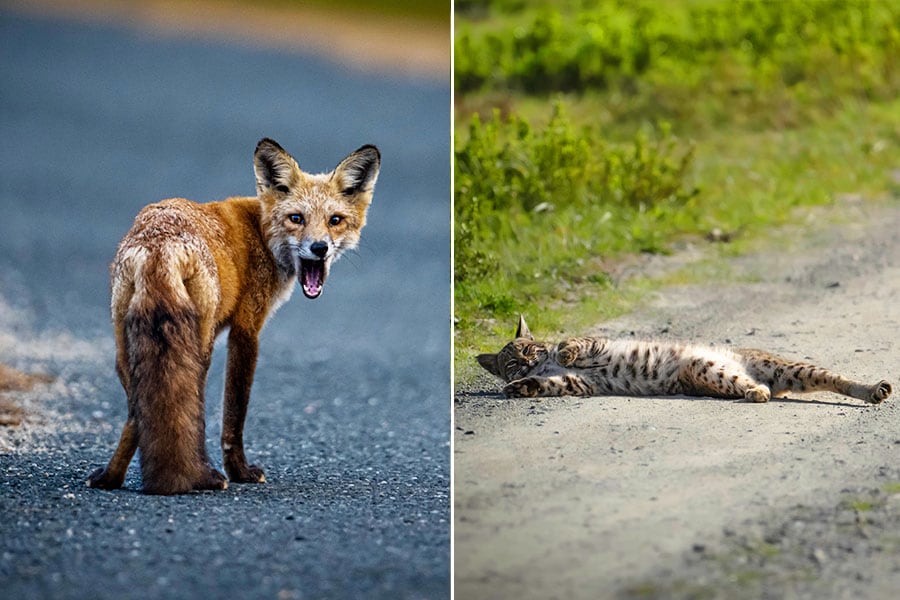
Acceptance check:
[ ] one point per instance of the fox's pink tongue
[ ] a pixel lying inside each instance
(312, 277)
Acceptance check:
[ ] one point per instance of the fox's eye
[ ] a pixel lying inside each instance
(283, 189)
(297, 219)
(335, 220)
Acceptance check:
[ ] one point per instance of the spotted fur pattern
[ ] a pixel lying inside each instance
(599, 367)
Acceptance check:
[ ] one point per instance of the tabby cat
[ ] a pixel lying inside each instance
(598, 366)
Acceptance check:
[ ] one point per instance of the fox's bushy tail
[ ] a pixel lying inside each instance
(166, 375)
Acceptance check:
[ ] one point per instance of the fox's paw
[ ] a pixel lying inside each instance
(211, 480)
(759, 393)
(247, 474)
(880, 392)
(529, 387)
(104, 480)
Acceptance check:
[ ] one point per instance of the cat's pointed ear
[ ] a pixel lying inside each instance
(489, 362)
(358, 172)
(275, 169)
(522, 330)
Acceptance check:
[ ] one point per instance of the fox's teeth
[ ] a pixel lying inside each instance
(312, 277)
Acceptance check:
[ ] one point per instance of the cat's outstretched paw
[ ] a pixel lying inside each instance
(759, 393)
(880, 392)
(529, 387)
(566, 353)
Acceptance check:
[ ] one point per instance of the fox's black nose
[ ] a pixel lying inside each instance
(320, 249)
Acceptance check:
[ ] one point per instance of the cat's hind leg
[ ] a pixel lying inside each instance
(721, 377)
(784, 376)
(555, 385)
(757, 393)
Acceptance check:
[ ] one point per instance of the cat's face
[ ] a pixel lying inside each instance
(516, 360)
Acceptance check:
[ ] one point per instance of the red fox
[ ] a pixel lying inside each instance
(187, 271)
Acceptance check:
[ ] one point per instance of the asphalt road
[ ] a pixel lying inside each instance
(350, 409)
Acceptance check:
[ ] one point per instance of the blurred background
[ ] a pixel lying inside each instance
(590, 132)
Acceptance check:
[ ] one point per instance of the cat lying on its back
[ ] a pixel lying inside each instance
(602, 367)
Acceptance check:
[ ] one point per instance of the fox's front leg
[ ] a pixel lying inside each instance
(243, 348)
(556, 385)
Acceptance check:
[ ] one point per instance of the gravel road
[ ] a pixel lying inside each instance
(703, 498)
(349, 413)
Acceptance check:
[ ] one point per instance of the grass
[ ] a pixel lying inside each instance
(860, 505)
(554, 189)
(554, 268)
(661, 55)
(429, 10)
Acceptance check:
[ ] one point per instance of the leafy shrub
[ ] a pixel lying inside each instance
(761, 53)
(530, 201)
(791, 104)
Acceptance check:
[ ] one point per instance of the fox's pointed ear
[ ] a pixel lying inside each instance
(489, 362)
(274, 167)
(522, 330)
(359, 171)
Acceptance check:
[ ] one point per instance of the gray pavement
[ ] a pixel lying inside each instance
(350, 409)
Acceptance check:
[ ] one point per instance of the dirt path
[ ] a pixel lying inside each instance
(604, 497)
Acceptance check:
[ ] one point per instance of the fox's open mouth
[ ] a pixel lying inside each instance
(311, 277)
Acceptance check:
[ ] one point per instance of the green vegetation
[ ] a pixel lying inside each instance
(432, 10)
(860, 505)
(773, 63)
(551, 191)
(589, 130)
